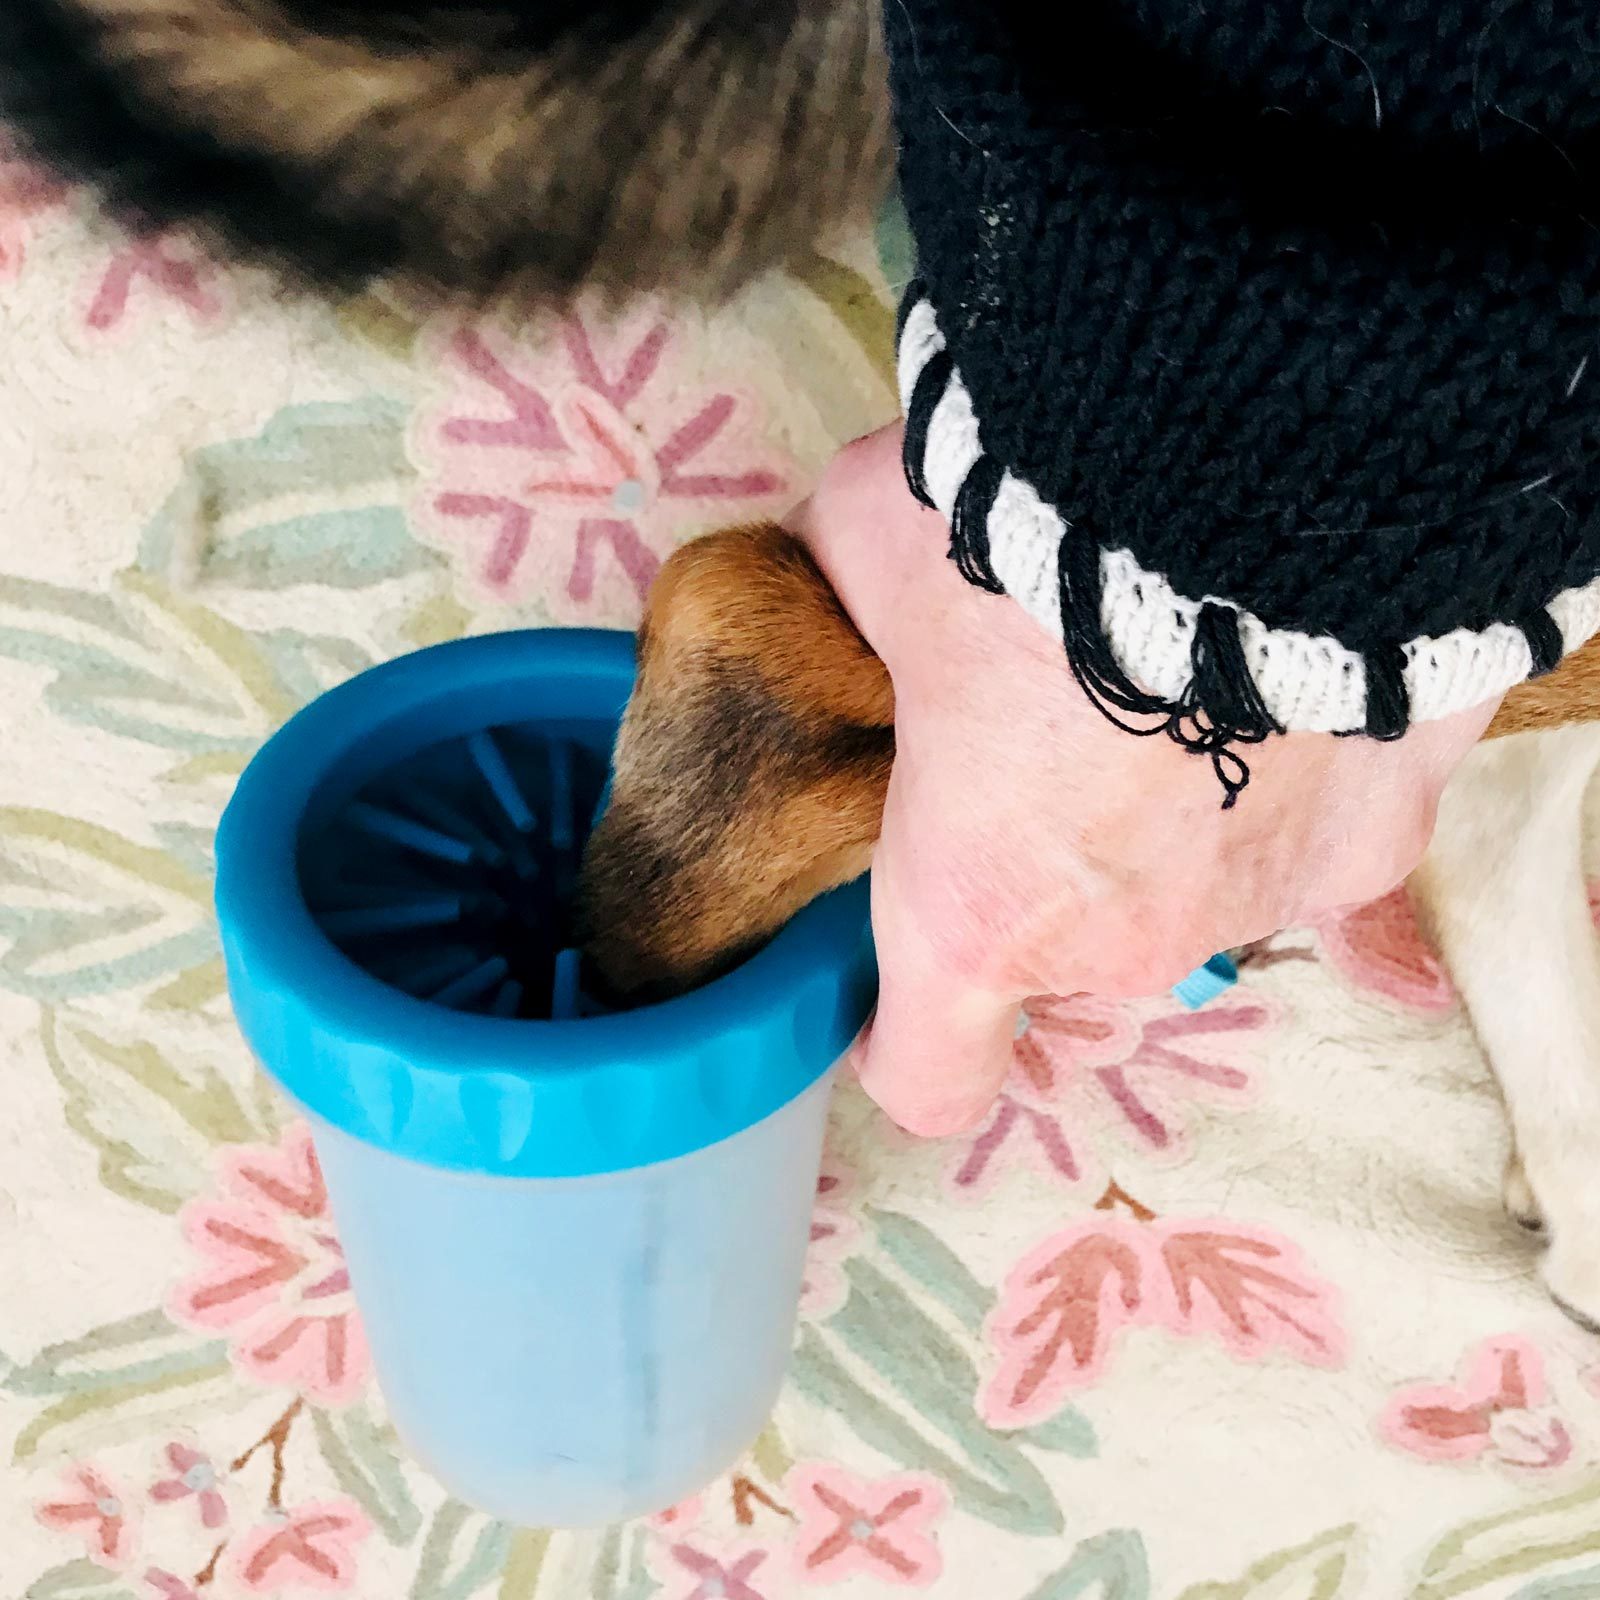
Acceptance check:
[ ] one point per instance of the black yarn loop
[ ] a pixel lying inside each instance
(1228, 686)
(911, 296)
(1388, 699)
(969, 524)
(1220, 708)
(929, 390)
(1545, 644)
(1088, 650)
(1232, 774)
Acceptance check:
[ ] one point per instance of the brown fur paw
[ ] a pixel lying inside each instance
(750, 771)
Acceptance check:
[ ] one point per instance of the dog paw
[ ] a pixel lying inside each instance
(1516, 1193)
(1571, 1273)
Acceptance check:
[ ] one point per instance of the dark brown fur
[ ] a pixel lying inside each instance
(755, 757)
(485, 146)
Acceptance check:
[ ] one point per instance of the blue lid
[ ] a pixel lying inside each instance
(341, 861)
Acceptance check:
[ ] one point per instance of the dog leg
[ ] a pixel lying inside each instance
(750, 772)
(1502, 890)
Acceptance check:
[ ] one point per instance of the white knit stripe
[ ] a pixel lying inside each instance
(1024, 535)
(1308, 682)
(920, 339)
(1464, 668)
(1577, 614)
(956, 428)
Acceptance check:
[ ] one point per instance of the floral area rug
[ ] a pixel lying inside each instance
(1217, 1306)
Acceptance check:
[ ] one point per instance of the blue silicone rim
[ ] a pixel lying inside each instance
(474, 1093)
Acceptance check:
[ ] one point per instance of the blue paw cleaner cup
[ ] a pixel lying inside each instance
(577, 1238)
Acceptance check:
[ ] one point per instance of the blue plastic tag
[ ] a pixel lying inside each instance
(1205, 983)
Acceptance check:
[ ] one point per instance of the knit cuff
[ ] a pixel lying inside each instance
(1217, 674)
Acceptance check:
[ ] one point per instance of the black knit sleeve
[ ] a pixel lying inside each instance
(1251, 343)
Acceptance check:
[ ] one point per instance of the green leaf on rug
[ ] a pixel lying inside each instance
(861, 311)
(907, 1387)
(270, 1108)
(1067, 1433)
(931, 1264)
(383, 320)
(620, 1574)
(1583, 1585)
(148, 1345)
(897, 249)
(519, 1578)
(770, 1454)
(1314, 1570)
(146, 663)
(438, 618)
(78, 1580)
(463, 1553)
(1113, 1563)
(113, 1412)
(318, 496)
(84, 910)
(154, 1118)
(366, 1466)
(1513, 1544)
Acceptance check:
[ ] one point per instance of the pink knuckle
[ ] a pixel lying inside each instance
(939, 1120)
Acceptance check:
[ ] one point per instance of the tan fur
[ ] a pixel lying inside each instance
(688, 154)
(747, 658)
(1569, 694)
(751, 767)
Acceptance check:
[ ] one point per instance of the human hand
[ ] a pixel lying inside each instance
(1029, 846)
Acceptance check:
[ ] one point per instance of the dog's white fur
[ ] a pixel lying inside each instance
(1503, 893)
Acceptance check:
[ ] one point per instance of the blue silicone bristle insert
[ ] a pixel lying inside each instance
(451, 875)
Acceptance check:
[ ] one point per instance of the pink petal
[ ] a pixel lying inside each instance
(531, 426)
(635, 558)
(513, 527)
(1379, 947)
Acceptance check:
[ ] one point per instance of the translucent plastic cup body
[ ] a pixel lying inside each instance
(579, 1350)
(576, 1237)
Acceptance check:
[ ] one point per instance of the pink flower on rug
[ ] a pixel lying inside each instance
(1379, 947)
(1084, 1062)
(272, 1274)
(683, 1515)
(881, 1529)
(1496, 1410)
(1248, 1288)
(834, 1231)
(166, 268)
(691, 1574)
(1065, 1306)
(312, 1547)
(194, 1477)
(169, 1586)
(94, 1510)
(1059, 1314)
(566, 470)
(26, 193)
